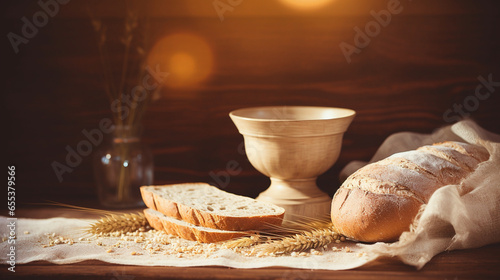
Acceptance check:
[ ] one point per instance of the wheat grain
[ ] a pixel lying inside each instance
(118, 224)
(242, 242)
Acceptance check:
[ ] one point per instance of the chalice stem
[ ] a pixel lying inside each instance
(299, 197)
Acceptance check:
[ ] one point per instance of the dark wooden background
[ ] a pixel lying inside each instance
(426, 60)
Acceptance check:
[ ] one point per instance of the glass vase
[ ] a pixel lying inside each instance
(121, 167)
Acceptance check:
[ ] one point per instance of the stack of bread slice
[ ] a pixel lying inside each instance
(204, 213)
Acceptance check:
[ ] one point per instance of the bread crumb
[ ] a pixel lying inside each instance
(139, 239)
(316, 252)
(361, 254)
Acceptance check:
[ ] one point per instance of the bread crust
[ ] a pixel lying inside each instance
(370, 217)
(206, 219)
(380, 201)
(188, 232)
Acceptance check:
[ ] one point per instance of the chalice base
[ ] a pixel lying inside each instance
(301, 198)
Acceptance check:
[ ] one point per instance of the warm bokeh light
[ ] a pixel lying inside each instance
(306, 4)
(183, 65)
(186, 57)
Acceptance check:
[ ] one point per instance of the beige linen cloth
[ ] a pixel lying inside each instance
(456, 217)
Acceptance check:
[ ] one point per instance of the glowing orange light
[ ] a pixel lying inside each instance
(183, 65)
(306, 4)
(186, 57)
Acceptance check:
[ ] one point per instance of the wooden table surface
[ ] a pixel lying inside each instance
(480, 263)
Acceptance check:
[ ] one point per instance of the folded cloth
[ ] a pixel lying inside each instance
(457, 216)
(63, 241)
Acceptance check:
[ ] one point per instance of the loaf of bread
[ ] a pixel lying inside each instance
(204, 205)
(188, 231)
(380, 201)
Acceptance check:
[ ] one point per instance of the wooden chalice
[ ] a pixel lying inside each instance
(293, 145)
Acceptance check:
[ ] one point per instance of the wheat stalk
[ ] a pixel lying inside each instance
(119, 223)
(297, 236)
(300, 242)
(110, 222)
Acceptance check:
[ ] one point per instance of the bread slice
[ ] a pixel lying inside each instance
(204, 205)
(188, 231)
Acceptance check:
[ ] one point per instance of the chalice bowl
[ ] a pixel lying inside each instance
(293, 145)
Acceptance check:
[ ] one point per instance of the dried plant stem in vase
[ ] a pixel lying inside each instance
(125, 163)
